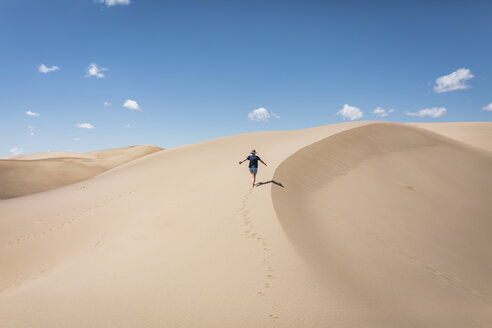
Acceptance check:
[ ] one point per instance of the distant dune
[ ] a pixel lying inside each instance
(358, 224)
(27, 174)
(478, 134)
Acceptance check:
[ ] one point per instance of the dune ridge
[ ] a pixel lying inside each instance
(358, 224)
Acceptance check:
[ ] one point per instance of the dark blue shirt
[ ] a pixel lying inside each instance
(253, 160)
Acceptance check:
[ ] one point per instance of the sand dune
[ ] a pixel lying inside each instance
(27, 174)
(397, 221)
(359, 224)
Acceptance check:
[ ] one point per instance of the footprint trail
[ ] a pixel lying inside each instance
(252, 232)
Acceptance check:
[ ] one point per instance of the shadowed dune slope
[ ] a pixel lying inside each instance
(27, 174)
(397, 221)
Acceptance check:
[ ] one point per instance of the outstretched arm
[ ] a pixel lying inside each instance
(263, 162)
(244, 160)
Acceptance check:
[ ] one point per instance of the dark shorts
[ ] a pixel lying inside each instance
(253, 169)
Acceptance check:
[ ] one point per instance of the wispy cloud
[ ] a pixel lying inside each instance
(382, 112)
(31, 130)
(30, 113)
(107, 103)
(261, 115)
(350, 112)
(45, 69)
(110, 3)
(16, 151)
(93, 70)
(85, 125)
(429, 112)
(488, 107)
(76, 139)
(128, 126)
(454, 81)
(131, 104)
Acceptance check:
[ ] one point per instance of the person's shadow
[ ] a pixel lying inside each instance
(271, 181)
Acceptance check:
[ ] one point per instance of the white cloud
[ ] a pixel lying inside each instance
(31, 130)
(430, 112)
(45, 69)
(32, 113)
(16, 151)
(93, 70)
(76, 139)
(128, 126)
(261, 114)
(453, 81)
(85, 125)
(350, 112)
(131, 104)
(110, 3)
(488, 107)
(107, 103)
(382, 112)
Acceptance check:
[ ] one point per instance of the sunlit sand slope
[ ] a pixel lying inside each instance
(174, 239)
(398, 222)
(27, 174)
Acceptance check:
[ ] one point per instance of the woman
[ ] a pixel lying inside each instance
(253, 164)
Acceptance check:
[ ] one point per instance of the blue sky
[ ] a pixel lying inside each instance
(195, 70)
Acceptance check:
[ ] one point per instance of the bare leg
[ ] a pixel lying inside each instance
(254, 178)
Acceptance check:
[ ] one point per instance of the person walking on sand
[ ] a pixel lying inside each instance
(253, 164)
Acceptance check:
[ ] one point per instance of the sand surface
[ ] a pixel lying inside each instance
(365, 224)
(28, 174)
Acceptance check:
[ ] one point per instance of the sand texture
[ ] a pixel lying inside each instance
(359, 224)
(28, 174)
